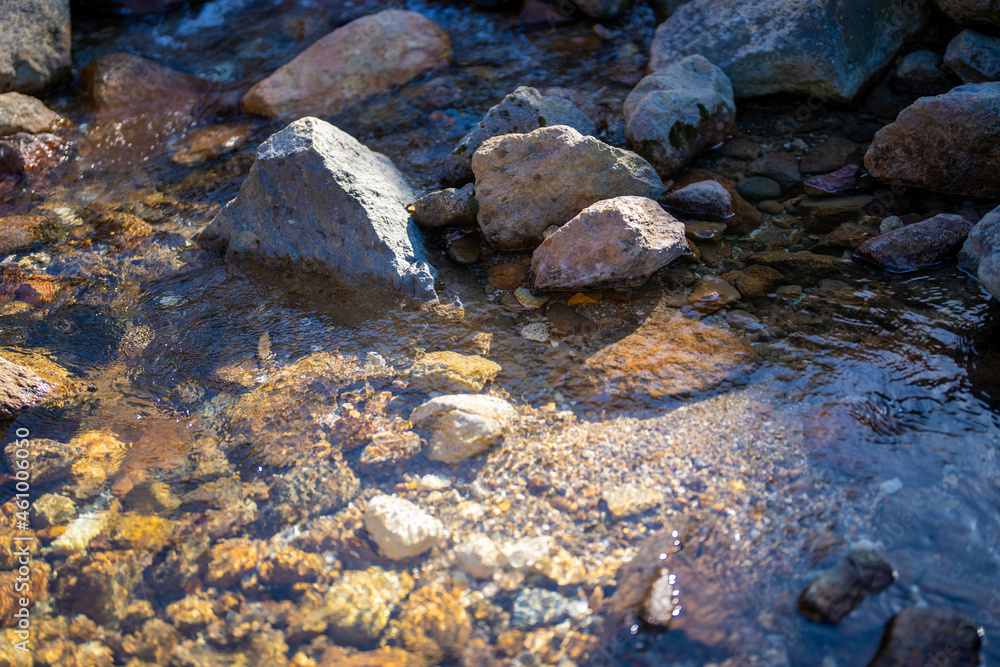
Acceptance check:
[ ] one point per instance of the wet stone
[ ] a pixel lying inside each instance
(100, 585)
(921, 72)
(535, 607)
(450, 372)
(508, 276)
(824, 214)
(208, 143)
(836, 592)
(465, 250)
(310, 488)
(708, 199)
(565, 322)
(712, 293)
(756, 188)
(918, 245)
(400, 528)
(781, 166)
(358, 605)
(23, 113)
(462, 426)
(757, 281)
(741, 148)
(480, 557)
(847, 236)
(804, 267)
(433, 623)
(841, 182)
(828, 155)
(230, 560)
(191, 613)
(628, 499)
(450, 207)
(929, 636)
(52, 510)
(700, 230)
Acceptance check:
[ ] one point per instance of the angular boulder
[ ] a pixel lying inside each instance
(367, 56)
(949, 143)
(829, 48)
(613, 243)
(526, 182)
(34, 45)
(679, 111)
(23, 113)
(974, 57)
(522, 111)
(982, 13)
(317, 198)
(980, 255)
(918, 245)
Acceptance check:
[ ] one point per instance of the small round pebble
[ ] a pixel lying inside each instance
(757, 188)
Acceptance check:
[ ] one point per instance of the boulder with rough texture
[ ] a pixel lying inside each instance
(918, 245)
(980, 255)
(526, 182)
(399, 528)
(949, 143)
(982, 13)
(34, 45)
(929, 636)
(23, 113)
(520, 112)
(830, 48)
(20, 387)
(317, 198)
(613, 243)
(974, 57)
(450, 207)
(679, 111)
(367, 56)
(462, 426)
(446, 371)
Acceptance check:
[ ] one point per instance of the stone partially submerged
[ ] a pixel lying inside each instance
(980, 255)
(526, 182)
(317, 198)
(20, 387)
(830, 48)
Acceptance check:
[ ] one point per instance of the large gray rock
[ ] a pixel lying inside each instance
(949, 143)
(678, 112)
(20, 387)
(974, 57)
(829, 48)
(526, 182)
(522, 111)
(317, 198)
(34, 45)
(982, 13)
(980, 255)
(613, 243)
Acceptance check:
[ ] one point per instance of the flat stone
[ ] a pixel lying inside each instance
(637, 237)
(948, 143)
(824, 214)
(918, 245)
(844, 181)
(463, 426)
(450, 371)
(701, 230)
(756, 188)
(401, 529)
(520, 112)
(343, 214)
(676, 113)
(526, 182)
(921, 72)
(741, 148)
(22, 113)
(803, 267)
(211, 142)
(507, 276)
(780, 166)
(757, 281)
(712, 293)
(525, 297)
(369, 55)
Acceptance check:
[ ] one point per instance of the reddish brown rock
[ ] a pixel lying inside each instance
(37, 292)
(918, 245)
(365, 57)
(804, 268)
(663, 358)
(212, 142)
(841, 182)
(117, 84)
(30, 156)
(613, 243)
(710, 294)
(18, 232)
(949, 143)
(507, 276)
(828, 155)
(758, 281)
(745, 217)
(707, 199)
(848, 236)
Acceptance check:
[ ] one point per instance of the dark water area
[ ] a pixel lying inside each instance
(868, 413)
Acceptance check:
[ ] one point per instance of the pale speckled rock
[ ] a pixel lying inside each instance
(520, 112)
(52, 510)
(634, 235)
(480, 557)
(20, 387)
(358, 604)
(449, 372)
(34, 45)
(974, 57)
(980, 255)
(526, 182)
(918, 245)
(528, 554)
(401, 529)
(450, 207)
(367, 56)
(462, 426)
(704, 200)
(317, 198)
(769, 46)
(679, 111)
(23, 113)
(949, 143)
